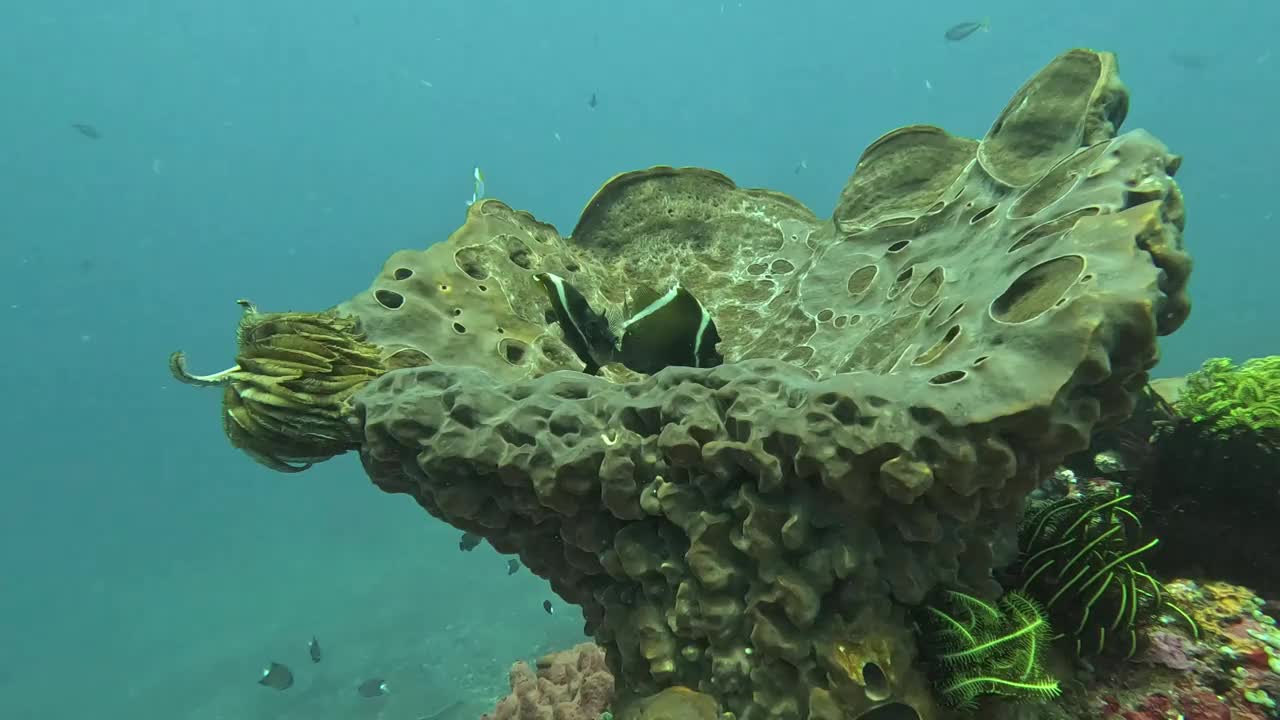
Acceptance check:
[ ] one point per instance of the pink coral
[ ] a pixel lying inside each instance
(571, 685)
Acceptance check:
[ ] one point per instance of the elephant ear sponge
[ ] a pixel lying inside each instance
(898, 377)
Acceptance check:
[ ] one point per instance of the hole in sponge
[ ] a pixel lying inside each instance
(519, 256)
(948, 377)
(892, 711)
(388, 299)
(898, 246)
(407, 358)
(938, 348)
(901, 282)
(1037, 289)
(460, 328)
(978, 216)
(928, 288)
(861, 279)
(513, 351)
(875, 683)
(402, 274)
(468, 260)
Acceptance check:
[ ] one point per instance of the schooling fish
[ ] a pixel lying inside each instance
(277, 677)
(373, 688)
(959, 32)
(469, 542)
(593, 102)
(512, 566)
(586, 332)
(546, 607)
(314, 648)
(666, 330)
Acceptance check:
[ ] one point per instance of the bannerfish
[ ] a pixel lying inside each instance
(586, 332)
(469, 542)
(276, 677)
(373, 688)
(87, 130)
(477, 189)
(512, 566)
(546, 607)
(959, 32)
(314, 648)
(666, 330)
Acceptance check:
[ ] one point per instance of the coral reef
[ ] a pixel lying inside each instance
(1229, 399)
(571, 685)
(1199, 458)
(1082, 557)
(897, 378)
(1231, 672)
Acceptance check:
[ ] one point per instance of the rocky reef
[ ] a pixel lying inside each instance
(897, 378)
(1201, 455)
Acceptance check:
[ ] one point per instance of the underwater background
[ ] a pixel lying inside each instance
(280, 151)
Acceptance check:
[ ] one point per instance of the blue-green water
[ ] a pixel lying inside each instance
(281, 150)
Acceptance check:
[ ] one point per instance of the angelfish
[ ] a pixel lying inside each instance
(477, 190)
(586, 332)
(669, 329)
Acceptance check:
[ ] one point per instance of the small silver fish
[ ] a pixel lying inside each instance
(87, 130)
(477, 190)
(959, 32)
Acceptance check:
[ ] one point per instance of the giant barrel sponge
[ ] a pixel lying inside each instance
(896, 379)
